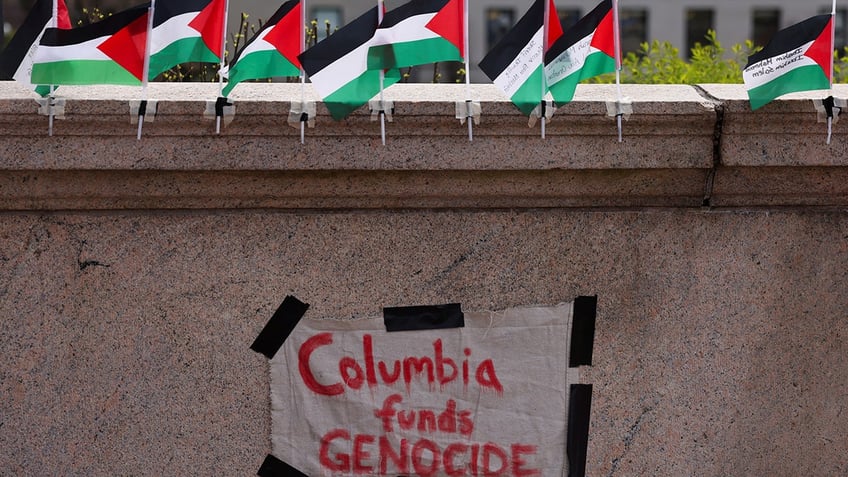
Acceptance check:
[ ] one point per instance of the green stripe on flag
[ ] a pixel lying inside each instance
(596, 64)
(82, 72)
(184, 50)
(259, 65)
(357, 92)
(805, 78)
(529, 94)
(412, 53)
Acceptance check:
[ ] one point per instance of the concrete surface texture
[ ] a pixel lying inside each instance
(134, 275)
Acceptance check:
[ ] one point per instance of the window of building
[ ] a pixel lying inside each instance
(766, 22)
(840, 35)
(568, 17)
(498, 22)
(698, 22)
(634, 29)
(326, 16)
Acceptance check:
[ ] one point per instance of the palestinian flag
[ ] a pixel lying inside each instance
(515, 63)
(417, 33)
(338, 67)
(110, 51)
(186, 31)
(16, 59)
(272, 51)
(796, 59)
(584, 51)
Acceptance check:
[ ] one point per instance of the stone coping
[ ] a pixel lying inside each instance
(684, 146)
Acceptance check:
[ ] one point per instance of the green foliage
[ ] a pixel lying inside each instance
(840, 65)
(711, 64)
(655, 63)
(660, 63)
(92, 15)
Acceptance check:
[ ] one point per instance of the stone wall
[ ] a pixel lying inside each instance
(134, 275)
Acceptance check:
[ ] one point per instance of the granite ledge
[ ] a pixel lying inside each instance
(346, 190)
(96, 133)
(668, 158)
(784, 132)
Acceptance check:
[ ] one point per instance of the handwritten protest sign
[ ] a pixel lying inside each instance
(488, 399)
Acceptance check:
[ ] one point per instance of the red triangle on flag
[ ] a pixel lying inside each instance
(126, 47)
(604, 37)
(285, 35)
(448, 23)
(210, 23)
(554, 25)
(821, 51)
(63, 20)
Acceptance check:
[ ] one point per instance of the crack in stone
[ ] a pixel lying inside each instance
(92, 263)
(628, 439)
(718, 133)
(83, 264)
(475, 248)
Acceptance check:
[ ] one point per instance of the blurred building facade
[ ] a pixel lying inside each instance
(681, 22)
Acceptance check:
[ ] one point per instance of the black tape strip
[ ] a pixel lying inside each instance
(304, 117)
(411, 318)
(274, 467)
(583, 331)
(142, 108)
(828, 104)
(279, 327)
(219, 106)
(577, 443)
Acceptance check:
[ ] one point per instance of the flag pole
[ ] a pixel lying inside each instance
(547, 12)
(222, 64)
(142, 107)
(832, 46)
(302, 72)
(465, 48)
(54, 22)
(617, 46)
(382, 80)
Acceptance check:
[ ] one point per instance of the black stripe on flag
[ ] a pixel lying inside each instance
(169, 9)
(104, 28)
(577, 437)
(510, 46)
(791, 38)
(411, 318)
(24, 38)
(279, 327)
(411, 9)
(579, 31)
(274, 467)
(275, 18)
(346, 39)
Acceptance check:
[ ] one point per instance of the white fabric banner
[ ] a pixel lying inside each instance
(489, 399)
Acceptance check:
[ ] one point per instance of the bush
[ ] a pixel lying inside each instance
(660, 63)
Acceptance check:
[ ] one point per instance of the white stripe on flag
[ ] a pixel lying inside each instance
(570, 61)
(23, 74)
(342, 71)
(79, 51)
(259, 44)
(518, 72)
(411, 29)
(773, 68)
(173, 29)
